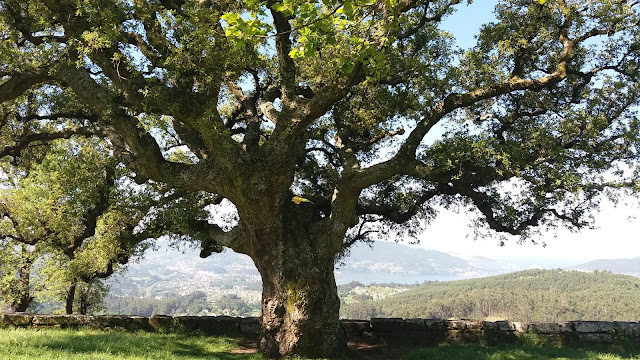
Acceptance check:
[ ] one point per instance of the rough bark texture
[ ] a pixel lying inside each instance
(71, 295)
(300, 310)
(24, 298)
(342, 114)
(300, 304)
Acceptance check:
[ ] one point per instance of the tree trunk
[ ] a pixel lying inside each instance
(71, 296)
(84, 298)
(24, 298)
(300, 313)
(300, 304)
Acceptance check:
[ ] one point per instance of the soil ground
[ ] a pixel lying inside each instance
(360, 349)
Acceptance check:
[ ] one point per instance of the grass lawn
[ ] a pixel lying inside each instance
(52, 344)
(527, 351)
(29, 344)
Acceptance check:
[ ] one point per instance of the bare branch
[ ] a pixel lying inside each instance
(383, 135)
(396, 213)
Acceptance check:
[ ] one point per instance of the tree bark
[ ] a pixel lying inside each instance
(83, 301)
(300, 304)
(71, 296)
(24, 298)
(300, 313)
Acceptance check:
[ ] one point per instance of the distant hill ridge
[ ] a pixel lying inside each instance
(619, 266)
(530, 295)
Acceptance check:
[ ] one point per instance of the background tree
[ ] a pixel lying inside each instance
(311, 116)
(80, 214)
(16, 261)
(55, 207)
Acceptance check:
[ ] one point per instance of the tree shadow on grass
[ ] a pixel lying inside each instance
(514, 352)
(138, 345)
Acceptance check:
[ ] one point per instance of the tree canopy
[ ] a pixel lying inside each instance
(313, 118)
(69, 220)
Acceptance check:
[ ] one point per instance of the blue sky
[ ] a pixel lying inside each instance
(467, 19)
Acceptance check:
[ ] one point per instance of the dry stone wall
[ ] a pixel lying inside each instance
(389, 330)
(436, 331)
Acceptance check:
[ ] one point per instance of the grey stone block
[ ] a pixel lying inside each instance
(131, 323)
(62, 320)
(489, 325)
(436, 324)
(520, 327)
(551, 328)
(473, 324)
(595, 327)
(505, 325)
(387, 324)
(627, 328)
(595, 337)
(250, 326)
(186, 323)
(17, 320)
(456, 324)
(219, 325)
(356, 327)
(418, 325)
(163, 323)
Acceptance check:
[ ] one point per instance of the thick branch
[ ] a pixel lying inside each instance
(148, 155)
(91, 215)
(287, 67)
(28, 140)
(214, 239)
(395, 213)
(425, 19)
(18, 84)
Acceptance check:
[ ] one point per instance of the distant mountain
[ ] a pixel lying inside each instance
(393, 262)
(618, 266)
(530, 295)
(168, 272)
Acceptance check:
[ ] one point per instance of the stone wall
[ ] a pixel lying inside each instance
(436, 331)
(210, 325)
(394, 330)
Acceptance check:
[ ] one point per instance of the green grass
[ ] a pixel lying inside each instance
(25, 344)
(55, 344)
(477, 352)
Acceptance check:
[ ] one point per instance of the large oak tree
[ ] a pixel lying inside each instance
(313, 118)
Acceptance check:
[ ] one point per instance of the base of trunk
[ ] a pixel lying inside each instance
(300, 315)
(314, 344)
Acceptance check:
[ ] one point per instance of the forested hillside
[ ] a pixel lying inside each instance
(531, 295)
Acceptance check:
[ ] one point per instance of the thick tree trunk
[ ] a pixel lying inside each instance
(24, 298)
(300, 311)
(300, 304)
(294, 247)
(71, 296)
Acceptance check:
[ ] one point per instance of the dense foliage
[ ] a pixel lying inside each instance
(312, 118)
(528, 296)
(59, 215)
(71, 218)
